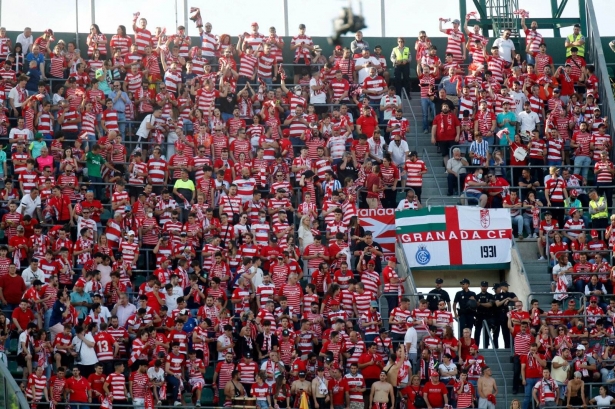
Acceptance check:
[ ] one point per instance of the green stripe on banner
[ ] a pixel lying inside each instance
(420, 228)
(422, 220)
(425, 211)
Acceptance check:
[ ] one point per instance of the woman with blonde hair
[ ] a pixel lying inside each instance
(305, 233)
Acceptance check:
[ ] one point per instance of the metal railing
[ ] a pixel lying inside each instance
(405, 98)
(409, 284)
(432, 170)
(595, 53)
(12, 396)
(487, 331)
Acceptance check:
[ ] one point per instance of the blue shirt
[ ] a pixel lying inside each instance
(120, 105)
(34, 75)
(40, 58)
(56, 313)
(76, 298)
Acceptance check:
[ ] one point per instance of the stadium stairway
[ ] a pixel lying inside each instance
(537, 273)
(499, 376)
(420, 142)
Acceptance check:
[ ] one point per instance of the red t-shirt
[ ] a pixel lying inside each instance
(23, 317)
(435, 394)
(79, 389)
(338, 391)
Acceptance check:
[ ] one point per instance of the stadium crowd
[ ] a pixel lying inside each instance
(221, 261)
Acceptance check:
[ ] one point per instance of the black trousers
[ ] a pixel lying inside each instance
(478, 330)
(466, 320)
(501, 326)
(517, 386)
(402, 78)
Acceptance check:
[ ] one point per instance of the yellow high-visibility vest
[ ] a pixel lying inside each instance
(594, 205)
(581, 48)
(399, 55)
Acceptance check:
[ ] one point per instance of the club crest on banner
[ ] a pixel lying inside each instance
(422, 256)
(485, 219)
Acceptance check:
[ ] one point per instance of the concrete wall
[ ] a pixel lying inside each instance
(516, 277)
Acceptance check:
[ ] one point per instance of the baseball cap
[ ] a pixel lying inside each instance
(593, 298)
(131, 233)
(184, 311)
(247, 355)
(496, 286)
(128, 208)
(301, 374)
(439, 281)
(464, 281)
(409, 320)
(572, 211)
(285, 333)
(594, 233)
(484, 284)
(504, 284)
(372, 262)
(383, 330)
(456, 21)
(580, 347)
(393, 259)
(338, 48)
(434, 373)
(374, 304)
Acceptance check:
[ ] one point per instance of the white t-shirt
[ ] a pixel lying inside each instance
(520, 99)
(88, 354)
(25, 42)
(527, 121)
(143, 132)
(317, 97)
(28, 206)
(364, 72)
(411, 338)
(504, 47)
(603, 402)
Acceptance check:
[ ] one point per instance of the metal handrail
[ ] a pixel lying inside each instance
(455, 200)
(497, 357)
(431, 169)
(409, 284)
(594, 48)
(404, 96)
(10, 386)
(572, 293)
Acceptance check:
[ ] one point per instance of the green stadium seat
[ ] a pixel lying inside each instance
(13, 346)
(209, 373)
(207, 396)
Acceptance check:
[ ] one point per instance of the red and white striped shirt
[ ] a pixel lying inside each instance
(117, 386)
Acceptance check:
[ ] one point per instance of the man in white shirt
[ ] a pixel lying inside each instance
(364, 63)
(528, 119)
(32, 274)
(398, 148)
(505, 46)
(31, 203)
(123, 310)
(411, 341)
(26, 40)
(518, 95)
(318, 96)
(376, 146)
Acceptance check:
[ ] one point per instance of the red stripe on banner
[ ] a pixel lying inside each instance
(454, 245)
(420, 237)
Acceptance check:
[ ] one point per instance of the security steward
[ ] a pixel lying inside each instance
(484, 312)
(400, 57)
(443, 296)
(598, 210)
(503, 300)
(465, 313)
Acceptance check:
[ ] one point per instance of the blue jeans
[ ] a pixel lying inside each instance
(557, 163)
(530, 58)
(188, 127)
(582, 161)
(518, 219)
(47, 318)
(97, 187)
(427, 106)
(529, 386)
(121, 123)
(80, 405)
(173, 385)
